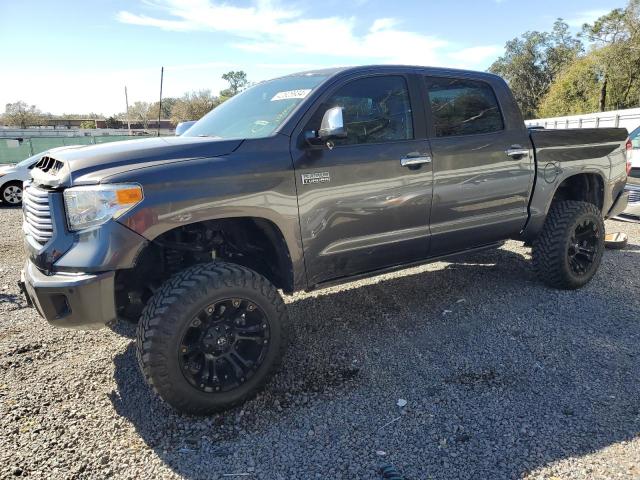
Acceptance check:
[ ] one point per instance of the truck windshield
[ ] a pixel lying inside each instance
(258, 111)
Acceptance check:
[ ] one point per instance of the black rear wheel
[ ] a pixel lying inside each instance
(211, 336)
(568, 251)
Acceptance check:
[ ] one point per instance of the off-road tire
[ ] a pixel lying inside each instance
(170, 311)
(550, 253)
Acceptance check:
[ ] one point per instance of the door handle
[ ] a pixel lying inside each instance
(410, 161)
(516, 151)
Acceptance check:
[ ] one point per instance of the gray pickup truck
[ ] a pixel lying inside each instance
(298, 183)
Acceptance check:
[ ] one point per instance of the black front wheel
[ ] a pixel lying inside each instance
(568, 251)
(211, 336)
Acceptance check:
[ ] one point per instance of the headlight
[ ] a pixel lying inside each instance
(93, 205)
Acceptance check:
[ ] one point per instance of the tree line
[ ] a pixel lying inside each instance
(191, 106)
(557, 73)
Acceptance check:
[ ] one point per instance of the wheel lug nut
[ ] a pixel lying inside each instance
(184, 349)
(250, 307)
(236, 303)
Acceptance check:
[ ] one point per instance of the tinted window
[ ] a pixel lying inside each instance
(375, 110)
(463, 107)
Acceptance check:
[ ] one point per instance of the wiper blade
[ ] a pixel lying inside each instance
(210, 136)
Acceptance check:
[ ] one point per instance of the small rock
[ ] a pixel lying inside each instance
(401, 402)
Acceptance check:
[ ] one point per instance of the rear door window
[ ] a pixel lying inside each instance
(463, 107)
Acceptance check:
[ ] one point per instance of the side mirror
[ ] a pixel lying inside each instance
(332, 125)
(184, 126)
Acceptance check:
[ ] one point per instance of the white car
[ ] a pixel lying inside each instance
(634, 136)
(632, 212)
(12, 176)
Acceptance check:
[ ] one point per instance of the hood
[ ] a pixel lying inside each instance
(6, 168)
(89, 164)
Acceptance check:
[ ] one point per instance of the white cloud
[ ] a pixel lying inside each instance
(383, 24)
(477, 54)
(268, 27)
(102, 91)
(587, 16)
(263, 27)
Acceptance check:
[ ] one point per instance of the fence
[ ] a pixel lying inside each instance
(13, 150)
(629, 119)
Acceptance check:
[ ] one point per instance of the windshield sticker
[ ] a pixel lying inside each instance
(291, 94)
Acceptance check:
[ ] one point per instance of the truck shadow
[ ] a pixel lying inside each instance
(494, 366)
(17, 302)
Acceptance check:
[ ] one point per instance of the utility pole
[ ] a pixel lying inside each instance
(126, 99)
(160, 102)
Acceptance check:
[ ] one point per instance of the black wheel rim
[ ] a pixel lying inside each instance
(224, 345)
(583, 247)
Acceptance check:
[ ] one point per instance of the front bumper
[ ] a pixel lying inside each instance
(71, 300)
(619, 205)
(632, 211)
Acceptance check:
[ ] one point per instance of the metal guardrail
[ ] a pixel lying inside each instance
(629, 119)
(78, 132)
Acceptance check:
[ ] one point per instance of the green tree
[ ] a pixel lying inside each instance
(88, 124)
(606, 77)
(112, 122)
(21, 115)
(141, 112)
(237, 82)
(616, 38)
(574, 91)
(532, 62)
(193, 106)
(167, 106)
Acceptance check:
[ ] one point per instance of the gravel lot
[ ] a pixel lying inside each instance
(503, 378)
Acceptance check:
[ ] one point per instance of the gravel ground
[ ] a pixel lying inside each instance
(503, 378)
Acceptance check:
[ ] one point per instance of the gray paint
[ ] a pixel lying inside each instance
(373, 213)
(561, 154)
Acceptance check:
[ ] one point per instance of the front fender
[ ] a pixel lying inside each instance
(256, 181)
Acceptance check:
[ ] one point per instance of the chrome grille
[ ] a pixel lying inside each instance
(634, 195)
(37, 215)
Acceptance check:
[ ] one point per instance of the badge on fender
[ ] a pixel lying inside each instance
(316, 177)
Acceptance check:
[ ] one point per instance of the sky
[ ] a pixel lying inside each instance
(77, 56)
